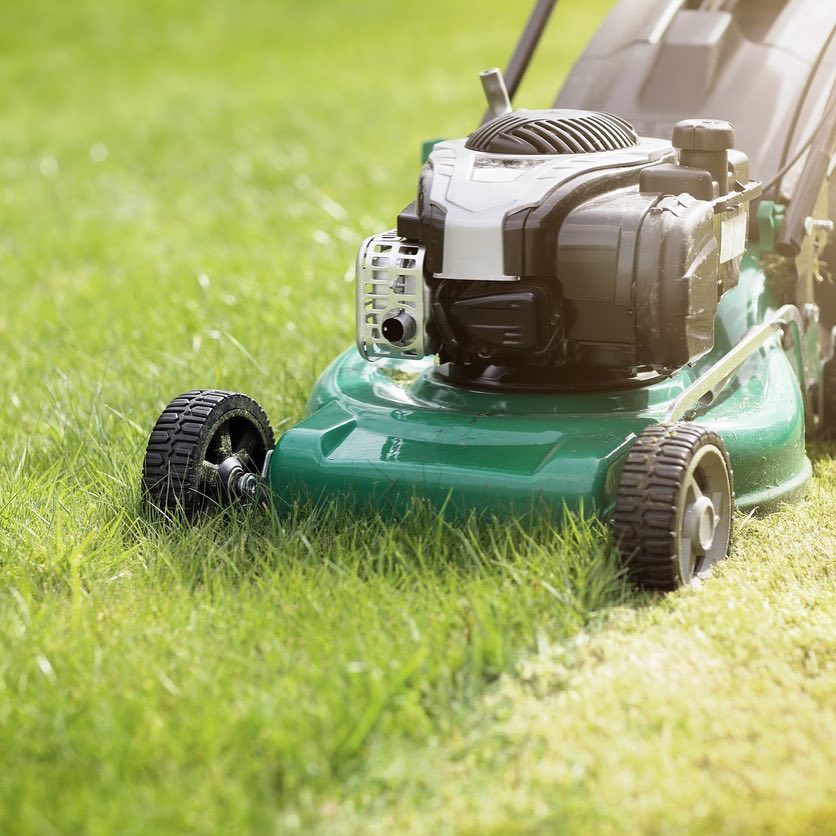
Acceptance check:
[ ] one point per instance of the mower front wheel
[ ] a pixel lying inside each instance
(207, 450)
(673, 515)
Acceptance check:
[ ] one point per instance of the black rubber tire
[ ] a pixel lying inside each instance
(196, 430)
(650, 505)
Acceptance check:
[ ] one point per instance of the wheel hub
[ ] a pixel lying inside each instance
(237, 480)
(700, 523)
(704, 512)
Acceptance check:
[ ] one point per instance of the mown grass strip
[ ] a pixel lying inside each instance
(709, 710)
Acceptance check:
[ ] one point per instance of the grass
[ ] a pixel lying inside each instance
(182, 189)
(708, 711)
(211, 674)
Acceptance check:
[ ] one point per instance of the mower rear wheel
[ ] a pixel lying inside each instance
(204, 452)
(828, 384)
(673, 514)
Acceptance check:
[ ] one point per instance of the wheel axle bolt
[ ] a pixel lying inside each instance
(248, 485)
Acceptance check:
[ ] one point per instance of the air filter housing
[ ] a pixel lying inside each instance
(540, 132)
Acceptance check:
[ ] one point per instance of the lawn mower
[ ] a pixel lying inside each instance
(591, 307)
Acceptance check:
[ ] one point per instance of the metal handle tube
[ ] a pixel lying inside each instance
(809, 185)
(526, 45)
(752, 342)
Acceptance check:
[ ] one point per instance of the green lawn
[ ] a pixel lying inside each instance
(183, 186)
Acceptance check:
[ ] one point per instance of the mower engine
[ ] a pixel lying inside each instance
(556, 248)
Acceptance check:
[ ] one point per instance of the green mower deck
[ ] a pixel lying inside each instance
(378, 435)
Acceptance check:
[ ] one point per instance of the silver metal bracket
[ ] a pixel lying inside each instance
(703, 391)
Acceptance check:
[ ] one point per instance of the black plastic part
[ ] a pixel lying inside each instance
(676, 290)
(399, 329)
(541, 132)
(517, 320)
(677, 179)
(828, 384)
(530, 235)
(574, 377)
(423, 221)
(409, 224)
(704, 144)
(645, 520)
(495, 323)
(702, 135)
(766, 66)
(432, 236)
(738, 168)
(192, 440)
(639, 279)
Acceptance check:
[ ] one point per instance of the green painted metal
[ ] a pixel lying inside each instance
(427, 148)
(382, 433)
(770, 218)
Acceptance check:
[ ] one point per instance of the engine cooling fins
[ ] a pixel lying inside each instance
(541, 132)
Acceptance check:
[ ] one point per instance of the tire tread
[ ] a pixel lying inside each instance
(644, 520)
(167, 472)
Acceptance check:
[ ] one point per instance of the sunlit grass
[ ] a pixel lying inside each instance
(183, 187)
(710, 710)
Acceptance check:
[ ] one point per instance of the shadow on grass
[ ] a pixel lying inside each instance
(821, 451)
(368, 544)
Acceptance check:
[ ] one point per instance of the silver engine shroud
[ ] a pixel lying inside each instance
(478, 190)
